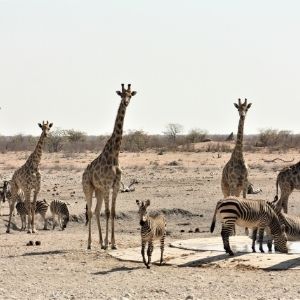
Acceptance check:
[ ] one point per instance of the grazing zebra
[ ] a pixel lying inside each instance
(250, 214)
(291, 224)
(60, 209)
(41, 208)
(152, 227)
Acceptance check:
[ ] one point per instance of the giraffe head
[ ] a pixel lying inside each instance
(126, 94)
(143, 210)
(242, 107)
(45, 126)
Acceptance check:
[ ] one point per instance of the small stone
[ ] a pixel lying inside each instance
(190, 297)
(197, 229)
(182, 230)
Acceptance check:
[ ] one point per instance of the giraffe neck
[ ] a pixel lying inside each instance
(114, 142)
(34, 159)
(238, 149)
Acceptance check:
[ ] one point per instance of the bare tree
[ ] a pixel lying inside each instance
(172, 131)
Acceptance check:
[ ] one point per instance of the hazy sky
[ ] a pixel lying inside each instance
(189, 61)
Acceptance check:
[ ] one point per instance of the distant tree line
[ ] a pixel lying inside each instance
(172, 139)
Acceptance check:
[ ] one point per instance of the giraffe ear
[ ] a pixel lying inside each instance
(119, 93)
(147, 203)
(249, 105)
(50, 125)
(133, 93)
(40, 125)
(236, 105)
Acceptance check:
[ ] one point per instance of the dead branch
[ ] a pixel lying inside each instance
(277, 158)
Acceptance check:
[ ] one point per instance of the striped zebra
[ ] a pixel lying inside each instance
(7, 195)
(2, 199)
(250, 214)
(291, 224)
(41, 208)
(153, 227)
(60, 209)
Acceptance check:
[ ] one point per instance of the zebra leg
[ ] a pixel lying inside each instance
(23, 221)
(45, 222)
(143, 253)
(149, 253)
(260, 239)
(162, 247)
(254, 235)
(225, 236)
(54, 221)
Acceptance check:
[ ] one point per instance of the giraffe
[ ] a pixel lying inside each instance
(104, 174)
(288, 179)
(28, 178)
(235, 172)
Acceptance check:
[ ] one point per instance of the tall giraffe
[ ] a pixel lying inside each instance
(235, 172)
(104, 174)
(28, 178)
(288, 179)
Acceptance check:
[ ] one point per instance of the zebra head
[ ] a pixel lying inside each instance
(281, 240)
(143, 210)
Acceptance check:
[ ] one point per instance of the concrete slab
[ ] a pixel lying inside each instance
(203, 252)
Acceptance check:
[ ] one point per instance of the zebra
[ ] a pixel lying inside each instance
(41, 208)
(7, 195)
(2, 199)
(291, 224)
(153, 227)
(60, 209)
(250, 214)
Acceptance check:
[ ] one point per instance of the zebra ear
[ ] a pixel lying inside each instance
(283, 227)
(147, 203)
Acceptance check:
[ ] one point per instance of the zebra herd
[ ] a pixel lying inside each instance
(58, 208)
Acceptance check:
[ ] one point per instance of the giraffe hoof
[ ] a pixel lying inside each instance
(104, 247)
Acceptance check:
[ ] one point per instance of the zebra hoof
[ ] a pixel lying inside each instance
(148, 267)
(231, 253)
(114, 247)
(29, 231)
(89, 247)
(7, 231)
(104, 247)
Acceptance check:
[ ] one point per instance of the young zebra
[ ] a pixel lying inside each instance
(7, 194)
(40, 208)
(153, 227)
(250, 214)
(60, 209)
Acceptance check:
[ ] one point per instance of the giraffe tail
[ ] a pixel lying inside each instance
(276, 196)
(86, 215)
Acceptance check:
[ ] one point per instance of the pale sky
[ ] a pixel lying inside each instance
(189, 61)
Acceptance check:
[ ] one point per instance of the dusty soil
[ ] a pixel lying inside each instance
(186, 186)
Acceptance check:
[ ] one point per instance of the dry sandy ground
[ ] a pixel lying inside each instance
(187, 191)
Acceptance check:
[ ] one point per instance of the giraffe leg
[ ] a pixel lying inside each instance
(115, 192)
(11, 209)
(88, 192)
(99, 197)
(33, 211)
(28, 209)
(107, 215)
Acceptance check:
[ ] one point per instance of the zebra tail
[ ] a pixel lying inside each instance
(213, 222)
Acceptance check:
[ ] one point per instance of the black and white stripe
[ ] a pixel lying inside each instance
(41, 208)
(153, 227)
(250, 214)
(60, 209)
(6, 194)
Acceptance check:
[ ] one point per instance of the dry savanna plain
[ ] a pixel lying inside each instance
(184, 185)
